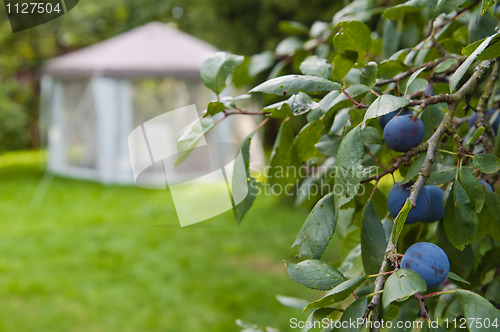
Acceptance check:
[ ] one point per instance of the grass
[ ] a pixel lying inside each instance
(81, 256)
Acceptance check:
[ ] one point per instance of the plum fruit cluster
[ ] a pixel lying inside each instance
(429, 261)
(429, 207)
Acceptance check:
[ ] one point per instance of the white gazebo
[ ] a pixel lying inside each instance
(93, 98)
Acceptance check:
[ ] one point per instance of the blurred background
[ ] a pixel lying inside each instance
(82, 256)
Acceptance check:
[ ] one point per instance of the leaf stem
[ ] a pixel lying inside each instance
(356, 104)
(439, 293)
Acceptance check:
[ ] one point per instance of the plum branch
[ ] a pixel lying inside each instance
(431, 145)
(428, 66)
(432, 142)
(482, 106)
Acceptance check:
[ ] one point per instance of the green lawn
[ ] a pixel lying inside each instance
(80, 256)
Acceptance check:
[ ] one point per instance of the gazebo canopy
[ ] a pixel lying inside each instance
(154, 49)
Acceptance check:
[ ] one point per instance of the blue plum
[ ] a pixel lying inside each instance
(382, 120)
(489, 114)
(403, 133)
(397, 198)
(488, 186)
(429, 261)
(436, 207)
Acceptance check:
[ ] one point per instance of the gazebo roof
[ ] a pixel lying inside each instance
(154, 49)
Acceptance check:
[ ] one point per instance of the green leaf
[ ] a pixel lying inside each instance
(338, 294)
(442, 176)
(230, 102)
(317, 229)
(391, 39)
(458, 278)
(399, 222)
(412, 78)
(412, 6)
(190, 136)
(281, 157)
(315, 66)
(447, 6)
(260, 63)
(369, 74)
(343, 63)
(352, 313)
(328, 145)
(215, 107)
(253, 185)
(460, 218)
(460, 72)
(414, 168)
(295, 105)
(315, 274)
(371, 135)
(348, 174)
(491, 52)
(485, 5)
(292, 302)
(476, 135)
(293, 28)
(215, 70)
(293, 84)
(288, 46)
(486, 163)
(402, 284)
(461, 261)
(481, 25)
(373, 240)
(431, 117)
(319, 28)
(472, 187)
(317, 316)
(445, 65)
(353, 36)
(303, 144)
(383, 105)
(476, 308)
(489, 218)
(390, 68)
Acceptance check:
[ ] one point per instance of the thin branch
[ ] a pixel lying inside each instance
(262, 124)
(433, 141)
(482, 106)
(356, 104)
(428, 66)
(405, 157)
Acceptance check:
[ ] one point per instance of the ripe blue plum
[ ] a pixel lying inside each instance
(382, 120)
(397, 198)
(436, 207)
(429, 261)
(403, 133)
(489, 114)
(488, 186)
